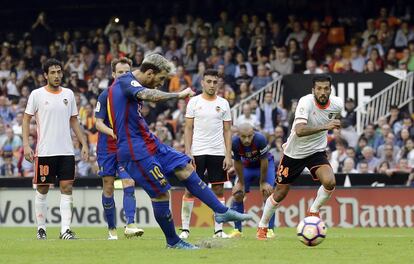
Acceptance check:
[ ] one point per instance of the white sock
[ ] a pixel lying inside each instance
(321, 198)
(41, 210)
(268, 210)
(66, 202)
(186, 209)
(217, 226)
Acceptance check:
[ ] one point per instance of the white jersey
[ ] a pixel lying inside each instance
(208, 137)
(309, 112)
(52, 112)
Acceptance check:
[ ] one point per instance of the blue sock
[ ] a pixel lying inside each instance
(129, 204)
(239, 207)
(164, 218)
(271, 221)
(108, 204)
(199, 189)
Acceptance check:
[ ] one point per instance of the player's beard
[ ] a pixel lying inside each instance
(320, 102)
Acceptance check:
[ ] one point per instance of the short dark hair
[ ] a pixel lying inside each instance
(211, 72)
(124, 60)
(243, 66)
(51, 62)
(394, 107)
(321, 78)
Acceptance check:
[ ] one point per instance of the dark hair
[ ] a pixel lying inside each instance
(49, 63)
(211, 72)
(124, 60)
(394, 107)
(321, 78)
(243, 66)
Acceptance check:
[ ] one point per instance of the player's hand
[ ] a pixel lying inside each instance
(28, 153)
(266, 189)
(336, 123)
(85, 153)
(227, 163)
(188, 92)
(113, 135)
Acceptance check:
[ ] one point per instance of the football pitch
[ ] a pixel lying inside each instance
(368, 245)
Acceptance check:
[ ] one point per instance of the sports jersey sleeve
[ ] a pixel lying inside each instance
(227, 113)
(263, 146)
(74, 108)
(190, 111)
(235, 148)
(101, 105)
(129, 86)
(31, 106)
(302, 111)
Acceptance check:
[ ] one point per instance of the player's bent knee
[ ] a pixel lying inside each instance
(66, 188)
(43, 189)
(330, 184)
(128, 183)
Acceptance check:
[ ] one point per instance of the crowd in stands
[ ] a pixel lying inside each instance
(249, 51)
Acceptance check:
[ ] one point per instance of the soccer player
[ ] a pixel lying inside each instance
(108, 165)
(56, 114)
(315, 114)
(252, 161)
(207, 140)
(147, 160)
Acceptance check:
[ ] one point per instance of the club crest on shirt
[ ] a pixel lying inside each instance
(331, 115)
(301, 110)
(65, 101)
(135, 83)
(218, 108)
(43, 178)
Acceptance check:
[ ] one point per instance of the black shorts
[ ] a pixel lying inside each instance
(48, 169)
(213, 165)
(289, 169)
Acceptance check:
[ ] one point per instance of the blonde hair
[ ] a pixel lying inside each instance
(157, 63)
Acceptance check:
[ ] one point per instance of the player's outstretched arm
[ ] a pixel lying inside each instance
(101, 127)
(154, 95)
(302, 129)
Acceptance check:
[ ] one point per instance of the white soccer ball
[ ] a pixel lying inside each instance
(311, 231)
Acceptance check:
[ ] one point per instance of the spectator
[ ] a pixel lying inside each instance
(389, 156)
(196, 79)
(315, 42)
(357, 60)
(297, 55)
(269, 115)
(8, 169)
(349, 133)
(261, 80)
(373, 44)
(243, 77)
(173, 51)
(247, 117)
(350, 113)
(363, 167)
(312, 67)
(282, 64)
(297, 34)
(369, 157)
(180, 80)
(241, 61)
(349, 166)
(190, 59)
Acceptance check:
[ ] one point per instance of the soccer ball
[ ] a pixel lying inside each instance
(311, 231)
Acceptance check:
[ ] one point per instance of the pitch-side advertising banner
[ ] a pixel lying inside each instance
(356, 207)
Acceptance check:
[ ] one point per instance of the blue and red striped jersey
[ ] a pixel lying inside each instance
(106, 144)
(250, 155)
(134, 140)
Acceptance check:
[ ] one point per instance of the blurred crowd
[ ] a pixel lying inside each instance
(249, 51)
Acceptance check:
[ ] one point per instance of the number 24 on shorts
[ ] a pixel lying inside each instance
(284, 171)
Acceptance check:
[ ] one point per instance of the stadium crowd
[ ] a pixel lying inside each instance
(248, 51)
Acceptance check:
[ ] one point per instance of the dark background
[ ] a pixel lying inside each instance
(18, 16)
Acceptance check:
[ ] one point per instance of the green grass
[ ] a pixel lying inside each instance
(375, 245)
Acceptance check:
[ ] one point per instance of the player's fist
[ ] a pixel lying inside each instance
(188, 92)
(336, 123)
